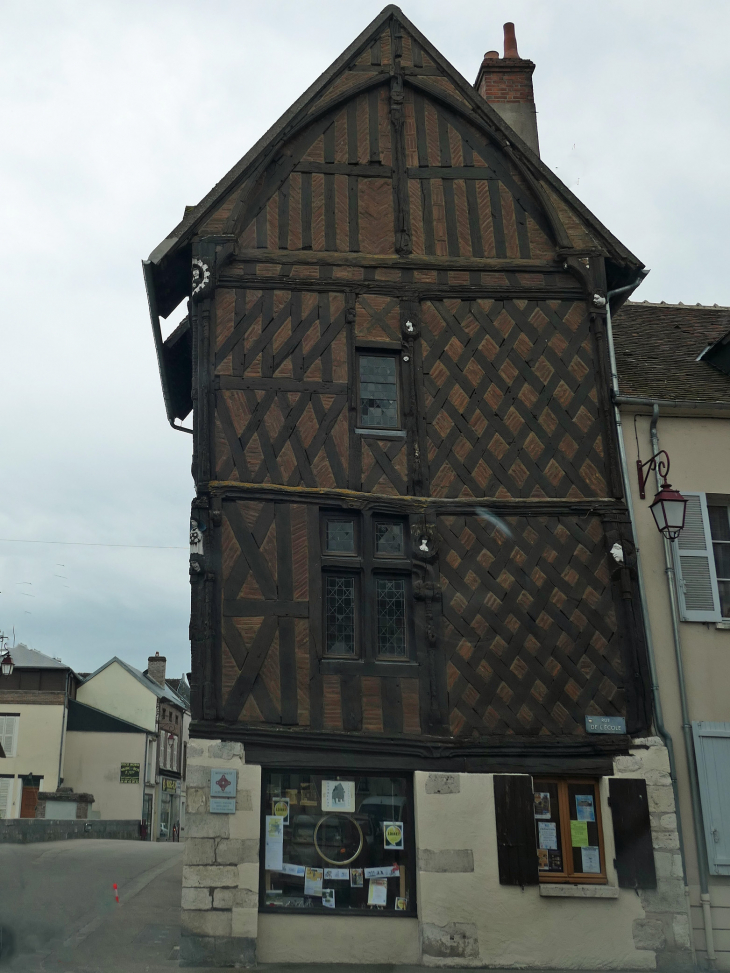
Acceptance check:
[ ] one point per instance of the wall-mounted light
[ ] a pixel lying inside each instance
(669, 507)
(6, 663)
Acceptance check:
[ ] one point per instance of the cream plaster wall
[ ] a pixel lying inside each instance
(38, 749)
(92, 766)
(115, 691)
(337, 939)
(699, 450)
(512, 927)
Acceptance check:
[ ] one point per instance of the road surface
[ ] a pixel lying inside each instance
(58, 912)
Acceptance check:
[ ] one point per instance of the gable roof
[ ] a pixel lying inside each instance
(658, 347)
(26, 658)
(167, 270)
(148, 683)
(88, 719)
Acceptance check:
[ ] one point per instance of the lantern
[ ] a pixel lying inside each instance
(669, 509)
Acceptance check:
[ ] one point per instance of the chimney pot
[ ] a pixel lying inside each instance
(510, 41)
(156, 665)
(491, 54)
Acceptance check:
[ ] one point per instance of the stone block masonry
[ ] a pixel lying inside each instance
(219, 918)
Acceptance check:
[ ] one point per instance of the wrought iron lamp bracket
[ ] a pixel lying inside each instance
(661, 465)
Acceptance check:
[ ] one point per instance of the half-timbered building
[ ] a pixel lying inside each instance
(408, 630)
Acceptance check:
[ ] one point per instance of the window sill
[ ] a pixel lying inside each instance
(724, 625)
(382, 433)
(555, 891)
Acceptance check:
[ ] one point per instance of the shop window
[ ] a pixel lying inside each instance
(366, 586)
(568, 831)
(337, 844)
(378, 391)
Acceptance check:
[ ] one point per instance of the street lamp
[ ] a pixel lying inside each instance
(669, 506)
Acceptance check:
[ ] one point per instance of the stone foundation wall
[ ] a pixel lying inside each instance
(219, 919)
(665, 926)
(26, 830)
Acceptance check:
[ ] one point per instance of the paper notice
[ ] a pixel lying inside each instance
(384, 871)
(542, 859)
(288, 869)
(328, 898)
(542, 804)
(338, 795)
(338, 874)
(356, 881)
(401, 903)
(584, 807)
(591, 856)
(274, 853)
(547, 833)
(313, 881)
(579, 834)
(378, 891)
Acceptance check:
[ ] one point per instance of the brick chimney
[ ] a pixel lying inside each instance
(156, 668)
(506, 83)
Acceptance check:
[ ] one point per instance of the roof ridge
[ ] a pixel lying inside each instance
(706, 307)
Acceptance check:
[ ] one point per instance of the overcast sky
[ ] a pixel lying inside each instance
(115, 115)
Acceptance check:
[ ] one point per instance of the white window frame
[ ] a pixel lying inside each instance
(713, 771)
(694, 564)
(7, 786)
(11, 720)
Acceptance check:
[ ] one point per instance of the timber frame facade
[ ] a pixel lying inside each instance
(392, 212)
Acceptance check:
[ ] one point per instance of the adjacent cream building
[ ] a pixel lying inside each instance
(674, 395)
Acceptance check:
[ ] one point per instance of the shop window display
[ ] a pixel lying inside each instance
(337, 843)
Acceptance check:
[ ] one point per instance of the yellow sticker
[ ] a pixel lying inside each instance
(280, 808)
(579, 834)
(393, 834)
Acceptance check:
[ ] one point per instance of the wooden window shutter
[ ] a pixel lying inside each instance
(694, 563)
(6, 784)
(632, 833)
(9, 735)
(712, 751)
(516, 847)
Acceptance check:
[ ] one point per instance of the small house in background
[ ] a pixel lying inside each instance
(33, 704)
(146, 702)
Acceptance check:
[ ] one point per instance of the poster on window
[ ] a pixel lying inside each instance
(584, 807)
(542, 859)
(547, 833)
(274, 849)
(542, 805)
(393, 835)
(328, 898)
(591, 859)
(401, 903)
(356, 879)
(280, 808)
(383, 871)
(338, 795)
(313, 881)
(378, 891)
(579, 834)
(289, 869)
(337, 874)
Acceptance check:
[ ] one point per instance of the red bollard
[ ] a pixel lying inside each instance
(116, 892)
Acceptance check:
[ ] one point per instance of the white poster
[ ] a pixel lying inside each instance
(378, 891)
(337, 874)
(547, 833)
(274, 855)
(591, 856)
(383, 871)
(288, 869)
(338, 795)
(313, 881)
(328, 898)
(584, 807)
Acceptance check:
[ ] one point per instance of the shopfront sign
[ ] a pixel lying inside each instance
(129, 774)
(170, 786)
(605, 724)
(223, 783)
(223, 805)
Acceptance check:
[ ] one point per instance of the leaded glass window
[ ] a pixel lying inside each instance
(378, 392)
(389, 540)
(390, 597)
(340, 615)
(340, 537)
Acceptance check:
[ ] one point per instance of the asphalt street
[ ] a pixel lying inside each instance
(58, 910)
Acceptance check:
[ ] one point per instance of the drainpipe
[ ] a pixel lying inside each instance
(658, 711)
(686, 724)
(63, 729)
